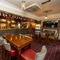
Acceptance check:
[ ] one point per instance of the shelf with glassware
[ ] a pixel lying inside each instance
(25, 25)
(37, 28)
(13, 24)
(3, 23)
(7, 24)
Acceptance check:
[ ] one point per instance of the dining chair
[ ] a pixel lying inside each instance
(37, 35)
(32, 55)
(53, 35)
(1, 45)
(43, 37)
(1, 42)
(9, 51)
(1, 38)
(6, 34)
(28, 36)
(41, 55)
(21, 34)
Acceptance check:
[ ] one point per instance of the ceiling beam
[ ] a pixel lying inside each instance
(46, 1)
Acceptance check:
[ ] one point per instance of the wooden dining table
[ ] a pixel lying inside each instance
(18, 42)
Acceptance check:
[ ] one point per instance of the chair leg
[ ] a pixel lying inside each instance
(6, 55)
(9, 57)
(3, 53)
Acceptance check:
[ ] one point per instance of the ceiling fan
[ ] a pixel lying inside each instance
(46, 1)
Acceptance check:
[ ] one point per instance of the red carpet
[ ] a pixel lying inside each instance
(53, 51)
(0, 54)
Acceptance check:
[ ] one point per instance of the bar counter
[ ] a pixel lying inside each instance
(15, 31)
(13, 28)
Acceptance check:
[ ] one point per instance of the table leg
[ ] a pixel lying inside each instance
(18, 55)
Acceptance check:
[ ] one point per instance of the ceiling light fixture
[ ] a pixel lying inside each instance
(23, 5)
(46, 17)
(47, 11)
(46, 14)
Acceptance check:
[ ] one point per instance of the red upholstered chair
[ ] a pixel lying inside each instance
(12, 52)
(9, 51)
(32, 55)
(28, 55)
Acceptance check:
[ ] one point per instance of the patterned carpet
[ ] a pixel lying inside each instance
(53, 51)
(0, 54)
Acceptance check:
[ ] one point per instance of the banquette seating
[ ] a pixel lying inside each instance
(30, 54)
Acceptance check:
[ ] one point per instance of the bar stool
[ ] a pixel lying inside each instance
(9, 51)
